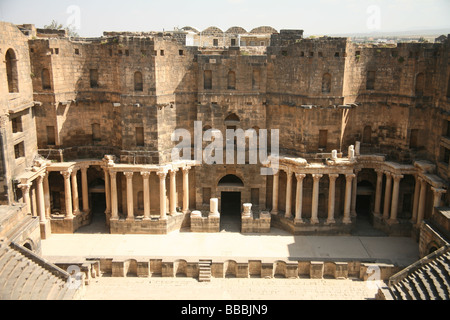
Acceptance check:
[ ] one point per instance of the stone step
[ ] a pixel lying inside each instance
(441, 279)
(22, 291)
(21, 280)
(13, 275)
(204, 270)
(419, 287)
(430, 282)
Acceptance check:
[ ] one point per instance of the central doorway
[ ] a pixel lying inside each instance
(230, 212)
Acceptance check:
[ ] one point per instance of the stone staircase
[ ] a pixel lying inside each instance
(25, 276)
(427, 280)
(204, 270)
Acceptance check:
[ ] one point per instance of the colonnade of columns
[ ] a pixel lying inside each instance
(111, 192)
(41, 206)
(315, 196)
(391, 197)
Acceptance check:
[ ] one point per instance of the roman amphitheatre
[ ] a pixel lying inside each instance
(354, 195)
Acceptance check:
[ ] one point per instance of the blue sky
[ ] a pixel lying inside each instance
(314, 16)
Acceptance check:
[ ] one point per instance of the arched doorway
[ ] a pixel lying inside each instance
(364, 198)
(98, 207)
(230, 188)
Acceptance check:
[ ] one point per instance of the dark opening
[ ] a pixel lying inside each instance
(230, 218)
(363, 205)
(231, 181)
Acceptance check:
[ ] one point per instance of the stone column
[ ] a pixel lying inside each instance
(173, 192)
(47, 197)
(395, 192)
(146, 191)
(85, 190)
(348, 198)
(387, 195)
(276, 179)
(75, 199)
(34, 212)
(114, 208)
(107, 191)
(214, 207)
(288, 212)
(130, 204)
(162, 194)
(41, 198)
(315, 199)
(186, 189)
(422, 200)
(26, 195)
(437, 193)
(378, 192)
(67, 193)
(331, 197)
(299, 197)
(354, 193)
(415, 209)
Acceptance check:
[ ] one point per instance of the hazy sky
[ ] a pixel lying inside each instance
(314, 16)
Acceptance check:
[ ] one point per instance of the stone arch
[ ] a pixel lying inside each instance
(11, 71)
(230, 180)
(29, 244)
(232, 117)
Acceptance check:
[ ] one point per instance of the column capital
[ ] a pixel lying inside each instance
(438, 190)
(66, 173)
(173, 170)
(357, 170)
(317, 176)
(350, 176)
(162, 174)
(24, 186)
(129, 174)
(186, 169)
(379, 172)
(388, 174)
(145, 174)
(333, 176)
(397, 177)
(40, 177)
(113, 174)
(300, 176)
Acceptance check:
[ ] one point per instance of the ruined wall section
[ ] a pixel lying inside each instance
(17, 121)
(305, 89)
(393, 87)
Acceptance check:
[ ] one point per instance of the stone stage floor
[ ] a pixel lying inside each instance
(278, 244)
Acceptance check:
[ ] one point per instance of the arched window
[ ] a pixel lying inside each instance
(11, 71)
(420, 84)
(231, 80)
(370, 81)
(367, 134)
(138, 83)
(326, 83)
(45, 77)
(256, 79)
(96, 136)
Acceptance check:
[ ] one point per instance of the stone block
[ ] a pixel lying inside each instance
(316, 270)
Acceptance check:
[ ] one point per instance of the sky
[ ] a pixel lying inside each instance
(320, 17)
